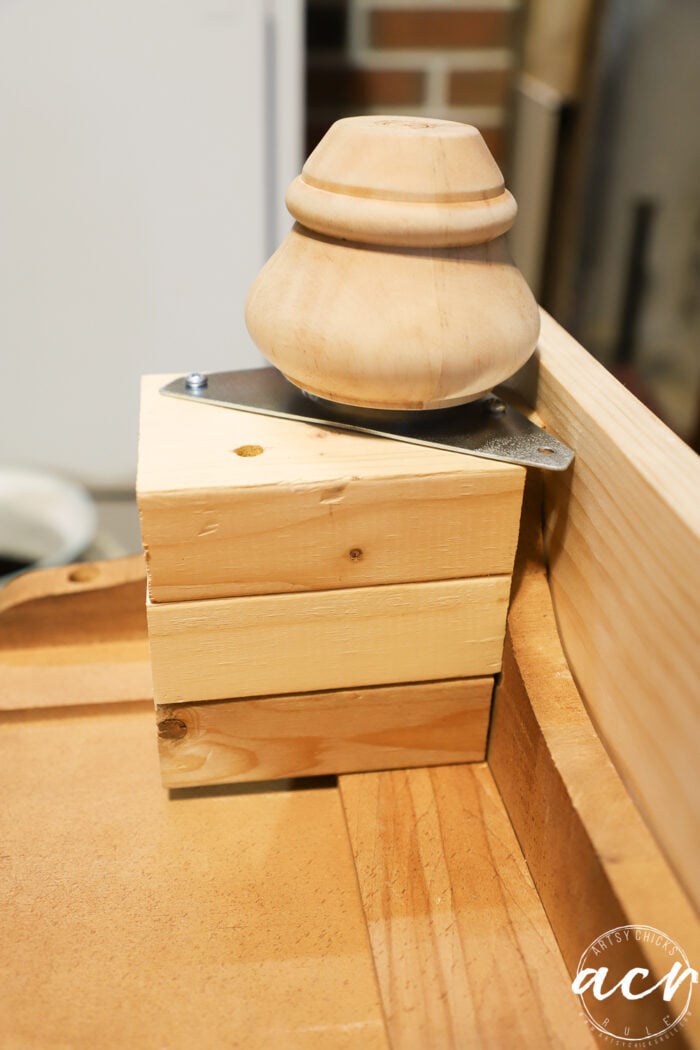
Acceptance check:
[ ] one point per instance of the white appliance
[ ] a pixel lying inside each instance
(146, 146)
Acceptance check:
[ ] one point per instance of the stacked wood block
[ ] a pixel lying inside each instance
(318, 601)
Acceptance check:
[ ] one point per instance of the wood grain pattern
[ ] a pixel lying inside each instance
(230, 915)
(317, 509)
(320, 733)
(461, 318)
(130, 919)
(623, 543)
(288, 643)
(582, 836)
(394, 289)
(75, 635)
(464, 953)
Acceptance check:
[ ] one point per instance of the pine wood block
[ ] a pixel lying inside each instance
(317, 509)
(287, 643)
(431, 723)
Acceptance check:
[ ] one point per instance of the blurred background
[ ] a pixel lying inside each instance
(147, 145)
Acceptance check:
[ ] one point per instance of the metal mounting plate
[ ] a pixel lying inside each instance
(487, 428)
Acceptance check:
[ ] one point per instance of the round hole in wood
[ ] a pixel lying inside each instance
(83, 573)
(249, 450)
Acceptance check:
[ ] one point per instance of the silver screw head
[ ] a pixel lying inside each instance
(496, 406)
(196, 381)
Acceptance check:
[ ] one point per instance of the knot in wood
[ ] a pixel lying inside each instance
(172, 729)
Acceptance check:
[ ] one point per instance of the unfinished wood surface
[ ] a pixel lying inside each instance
(387, 727)
(581, 834)
(316, 509)
(623, 544)
(290, 643)
(394, 289)
(75, 635)
(462, 946)
(130, 919)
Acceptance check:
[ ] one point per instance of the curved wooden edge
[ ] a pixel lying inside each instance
(622, 534)
(70, 580)
(75, 635)
(594, 861)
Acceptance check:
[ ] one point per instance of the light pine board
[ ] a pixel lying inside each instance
(271, 644)
(581, 834)
(623, 543)
(133, 920)
(317, 509)
(464, 953)
(321, 733)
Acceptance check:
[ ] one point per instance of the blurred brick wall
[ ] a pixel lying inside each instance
(445, 59)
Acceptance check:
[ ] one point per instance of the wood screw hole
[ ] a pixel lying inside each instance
(83, 574)
(249, 450)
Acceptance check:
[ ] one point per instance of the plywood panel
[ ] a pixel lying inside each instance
(319, 733)
(258, 646)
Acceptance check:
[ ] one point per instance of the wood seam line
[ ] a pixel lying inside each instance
(375, 971)
(310, 693)
(86, 710)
